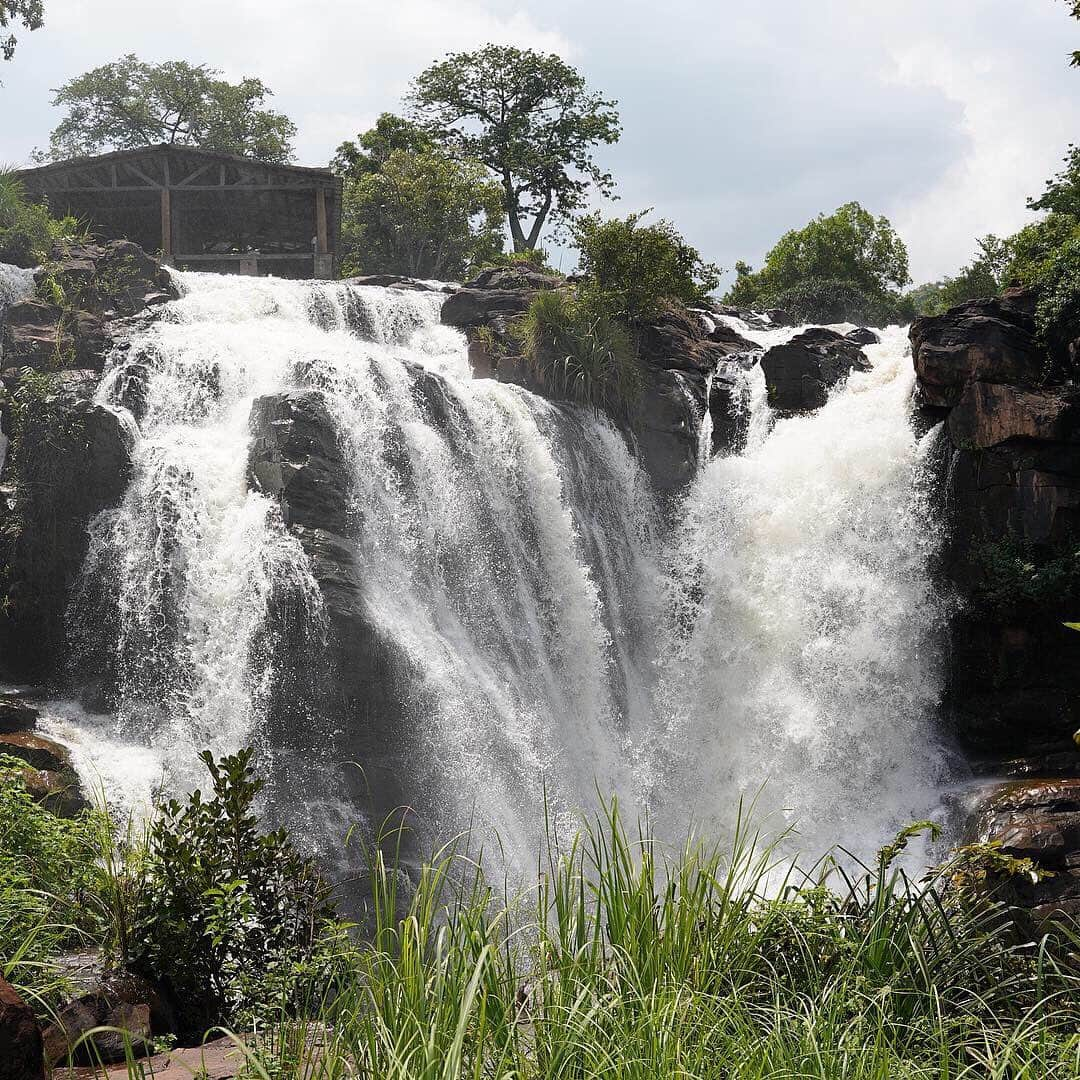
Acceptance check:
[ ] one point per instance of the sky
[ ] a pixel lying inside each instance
(740, 120)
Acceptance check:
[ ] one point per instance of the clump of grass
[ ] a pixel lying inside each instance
(631, 960)
(28, 232)
(582, 354)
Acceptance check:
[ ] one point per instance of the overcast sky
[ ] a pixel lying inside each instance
(740, 119)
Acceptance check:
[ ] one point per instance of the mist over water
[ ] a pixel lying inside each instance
(555, 638)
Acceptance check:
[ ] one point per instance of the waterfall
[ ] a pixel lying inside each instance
(806, 652)
(550, 638)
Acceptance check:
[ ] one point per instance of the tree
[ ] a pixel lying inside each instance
(630, 270)
(529, 118)
(128, 104)
(984, 276)
(410, 208)
(29, 12)
(371, 149)
(848, 253)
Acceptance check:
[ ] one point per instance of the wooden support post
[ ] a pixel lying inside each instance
(166, 224)
(320, 221)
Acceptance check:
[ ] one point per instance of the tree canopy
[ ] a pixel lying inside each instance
(128, 103)
(983, 276)
(410, 208)
(31, 13)
(631, 269)
(529, 118)
(849, 255)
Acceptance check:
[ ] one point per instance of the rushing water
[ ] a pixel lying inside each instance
(552, 639)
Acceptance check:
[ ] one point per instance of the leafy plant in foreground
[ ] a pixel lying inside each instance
(226, 908)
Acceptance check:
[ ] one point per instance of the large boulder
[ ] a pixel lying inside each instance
(71, 459)
(801, 372)
(21, 1056)
(990, 340)
(478, 307)
(68, 1039)
(47, 337)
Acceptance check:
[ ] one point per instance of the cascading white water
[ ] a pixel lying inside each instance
(552, 642)
(806, 654)
(16, 284)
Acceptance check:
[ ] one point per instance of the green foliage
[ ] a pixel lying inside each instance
(529, 118)
(582, 354)
(226, 908)
(29, 12)
(984, 276)
(631, 959)
(47, 868)
(420, 213)
(631, 271)
(533, 258)
(28, 232)
(833, 301)
(849, 246)
(128, 104)
(371, 149)
(1018, 578)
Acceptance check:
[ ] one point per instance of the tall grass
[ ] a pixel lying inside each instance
(582, 354)
(627, 959)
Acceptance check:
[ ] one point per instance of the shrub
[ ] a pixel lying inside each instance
(47, 868)
(28, 232)
(581, 353)
(1018, 578)
(835, 301)
(631, 271)
(226, 910)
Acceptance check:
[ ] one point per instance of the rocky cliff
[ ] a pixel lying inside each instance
(1010, 461)
(68, 456)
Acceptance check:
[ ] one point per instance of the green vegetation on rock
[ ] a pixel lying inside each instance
(28, 232)
(632, 270)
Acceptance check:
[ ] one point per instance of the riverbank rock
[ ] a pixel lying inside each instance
(48, 337)
(801, 372)
(112, 280)
(990, 340)
(17, 714)
(1038, 819)
(68, 1039)
(21, 1054)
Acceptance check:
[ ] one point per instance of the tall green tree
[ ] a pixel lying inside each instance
(846, 264)
(410, 208)
(31, 13)
(129, 103)
(530, 119)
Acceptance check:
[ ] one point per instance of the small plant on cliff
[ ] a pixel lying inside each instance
(226, 908)
(1018, 578)
(581, 353)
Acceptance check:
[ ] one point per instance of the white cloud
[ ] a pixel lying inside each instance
(740, 120)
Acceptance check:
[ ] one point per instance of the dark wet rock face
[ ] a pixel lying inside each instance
(801, 372)
(21, 1056)
(67, 457)
(70, 459)
(990, 341)
(1011, 493)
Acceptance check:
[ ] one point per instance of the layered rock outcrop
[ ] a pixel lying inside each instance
(680, 350)
(1011, 497)
(67, 457)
